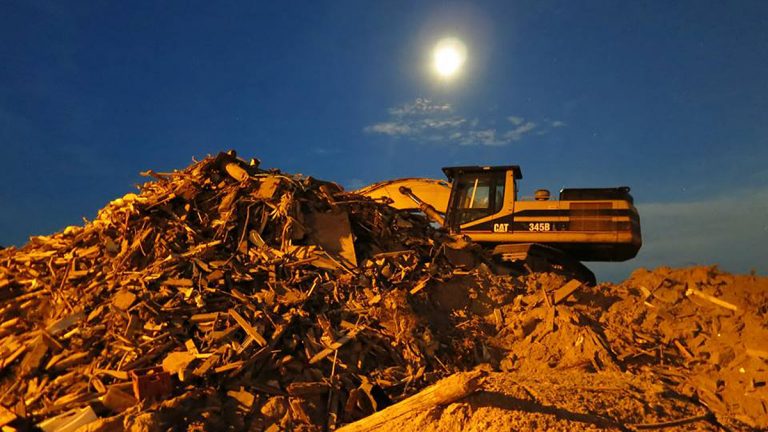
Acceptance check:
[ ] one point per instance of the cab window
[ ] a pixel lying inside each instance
(478, 196)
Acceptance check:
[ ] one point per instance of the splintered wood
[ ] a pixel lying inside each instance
(254, 284)
(448, 390)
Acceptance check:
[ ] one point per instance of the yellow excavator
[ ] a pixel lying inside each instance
(526, 235)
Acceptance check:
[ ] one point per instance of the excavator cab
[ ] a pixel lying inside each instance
(479, 194)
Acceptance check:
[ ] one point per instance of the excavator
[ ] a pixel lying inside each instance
(481, 204)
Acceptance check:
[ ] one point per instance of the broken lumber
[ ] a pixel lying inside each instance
(445, 391)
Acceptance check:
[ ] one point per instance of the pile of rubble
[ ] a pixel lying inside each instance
(697, 334)
(701, 332)
(222, 294)
(227, 296)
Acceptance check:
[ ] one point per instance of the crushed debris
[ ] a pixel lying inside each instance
(228, 296)
(649, 353)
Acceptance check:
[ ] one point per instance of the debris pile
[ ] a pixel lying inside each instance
(223, 294)
(665, 348)
(701, 332)
(228, 296)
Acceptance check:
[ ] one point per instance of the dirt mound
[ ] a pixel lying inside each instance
(228, 296)
(682, 348)
(568, 400)
(702, 332)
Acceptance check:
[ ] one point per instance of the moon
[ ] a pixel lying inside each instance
(448, 57)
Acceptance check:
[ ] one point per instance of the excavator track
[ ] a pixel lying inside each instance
(526, 258)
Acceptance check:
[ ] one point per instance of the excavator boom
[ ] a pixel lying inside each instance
(430, 191)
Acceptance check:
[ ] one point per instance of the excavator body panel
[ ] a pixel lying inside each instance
(587, 224)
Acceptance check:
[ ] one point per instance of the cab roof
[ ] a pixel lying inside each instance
(453, 172)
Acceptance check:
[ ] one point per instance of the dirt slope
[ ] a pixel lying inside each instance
(681, 348)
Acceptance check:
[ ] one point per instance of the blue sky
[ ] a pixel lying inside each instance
(670, 98)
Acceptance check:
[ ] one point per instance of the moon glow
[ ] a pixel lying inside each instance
(448, 57)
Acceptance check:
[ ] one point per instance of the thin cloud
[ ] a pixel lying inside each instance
(521, 130)
(420, 106)
(390, 128)
(486, 137)
(426, 121)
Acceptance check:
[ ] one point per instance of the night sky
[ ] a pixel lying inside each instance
(670, 98)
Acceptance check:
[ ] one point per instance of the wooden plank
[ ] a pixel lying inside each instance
(566, 290)
(12, 357)
(712, 299)
(448, 390)
(334, 346)
(65, 323)
(6, 416)
(252, 332)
